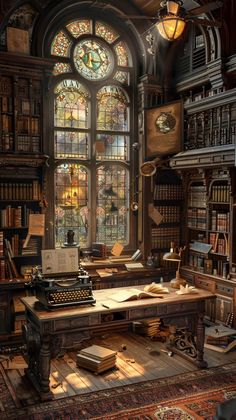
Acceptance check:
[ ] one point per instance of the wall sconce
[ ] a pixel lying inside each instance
(171, 23)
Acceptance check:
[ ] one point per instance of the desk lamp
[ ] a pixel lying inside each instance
(174, 256)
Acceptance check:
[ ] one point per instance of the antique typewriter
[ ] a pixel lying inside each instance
(55, 292)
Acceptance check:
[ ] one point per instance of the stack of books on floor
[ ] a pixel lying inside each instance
(220, 338)
(96, 358)
(148, 327)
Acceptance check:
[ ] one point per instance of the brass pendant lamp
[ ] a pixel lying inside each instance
(171, 23)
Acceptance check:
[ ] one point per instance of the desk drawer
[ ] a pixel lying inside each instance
(182, 307)
(73, 323)
(147, 312)
(205, 283)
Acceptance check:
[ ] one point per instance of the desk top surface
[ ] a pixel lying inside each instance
(104, 297)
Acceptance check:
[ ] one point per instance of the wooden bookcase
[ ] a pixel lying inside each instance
(209, 208)
(22, 93)
(167, 201)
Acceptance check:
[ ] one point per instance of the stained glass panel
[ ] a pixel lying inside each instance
(80, 27)
(122, 54)
(112, 147)
(71, 144)
(71, 105)
(106, 32)
(93, 60)
(113, 111)
(60, 68)
(72, 206)
(112, 204)
(122, 77)
(61, 45)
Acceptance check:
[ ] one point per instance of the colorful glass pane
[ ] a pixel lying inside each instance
(93, 60)
(112, 204)
(106, 32)
(72, 206)
(112, 147)
(71, 144)
(71, 105)
(61, 45)
(113, 111)
(122, 77)
(80, 27)
(122, 54)
(60, 68)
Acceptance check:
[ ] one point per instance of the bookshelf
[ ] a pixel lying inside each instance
(167, 201)
(22, 95)
(209, 235)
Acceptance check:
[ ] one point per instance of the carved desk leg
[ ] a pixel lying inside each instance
(200, 338)
(38, 357)
(44, 365)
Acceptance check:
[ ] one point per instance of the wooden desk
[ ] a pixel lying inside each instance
(45, 332)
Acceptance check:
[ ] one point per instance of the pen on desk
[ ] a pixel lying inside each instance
(105, 306)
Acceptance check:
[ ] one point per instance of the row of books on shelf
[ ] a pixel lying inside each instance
(6, 103)
(207, 266)
(171, 214)
(220, 193)
(168, 192)
(26, 124)
(14, 246)
(162, 237)
(197, 196)
(8, 269)
(28, 144)
(197, 218)
(20, 190)
(6, 142)
(29, 107)
(219, 244)
(15, 217)
(220, 221)
(6, 122)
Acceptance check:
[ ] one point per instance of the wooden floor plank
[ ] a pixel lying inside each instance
(150, 363)
(58, 373)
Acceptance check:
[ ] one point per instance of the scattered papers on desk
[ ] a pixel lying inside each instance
(156, 288)
(134, 266)
(186, 290)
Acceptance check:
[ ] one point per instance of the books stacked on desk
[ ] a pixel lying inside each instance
(96, 358)
(148, 327)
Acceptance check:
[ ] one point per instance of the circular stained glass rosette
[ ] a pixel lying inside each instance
(93, 60)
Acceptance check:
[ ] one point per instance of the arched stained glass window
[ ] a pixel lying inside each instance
(70, 115)
(92, 130)
(71, 207)
(106, 32)
(61, 45)
(112, 204)
(112, 109)
(61, 68)
(80, 27)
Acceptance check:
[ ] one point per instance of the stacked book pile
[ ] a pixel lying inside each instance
(96, 358)
(220, 338)
(149, 327)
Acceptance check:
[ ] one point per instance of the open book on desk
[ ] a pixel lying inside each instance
(132, 294)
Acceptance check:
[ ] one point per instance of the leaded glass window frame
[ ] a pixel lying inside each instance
(106, 145)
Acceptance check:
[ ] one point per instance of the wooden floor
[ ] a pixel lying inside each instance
(138, 359)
